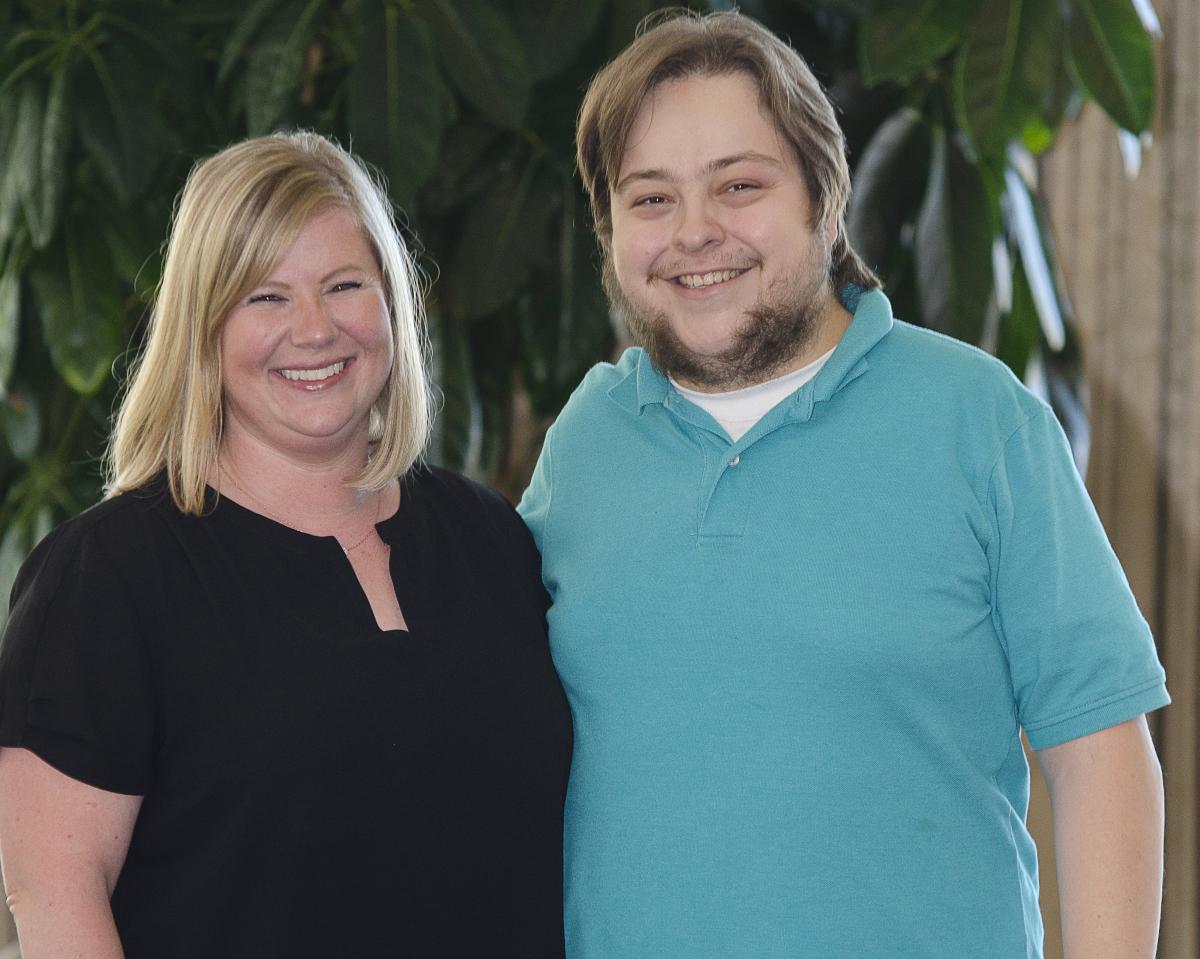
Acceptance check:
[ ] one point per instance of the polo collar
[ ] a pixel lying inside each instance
(872, 322)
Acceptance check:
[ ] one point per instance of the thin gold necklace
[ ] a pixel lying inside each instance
(371, 529)
(221, 471)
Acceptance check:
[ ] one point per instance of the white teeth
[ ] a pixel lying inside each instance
(309, 375)
(694, 281)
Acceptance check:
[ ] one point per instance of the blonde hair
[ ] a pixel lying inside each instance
(679, 44)
(238, 214)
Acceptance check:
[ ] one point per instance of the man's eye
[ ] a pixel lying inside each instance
(346, 285)
(656, 199)
(741, 187)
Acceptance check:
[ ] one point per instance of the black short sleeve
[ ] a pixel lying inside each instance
(74, 678)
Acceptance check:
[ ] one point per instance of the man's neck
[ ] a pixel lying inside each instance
(834, 322)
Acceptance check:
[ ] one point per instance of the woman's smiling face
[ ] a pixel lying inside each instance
(307, 352)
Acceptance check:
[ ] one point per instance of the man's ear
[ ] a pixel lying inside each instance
(831, 231)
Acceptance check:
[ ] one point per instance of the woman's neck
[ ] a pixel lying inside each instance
(312, 495)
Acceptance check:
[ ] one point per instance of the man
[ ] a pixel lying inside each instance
(814, 570)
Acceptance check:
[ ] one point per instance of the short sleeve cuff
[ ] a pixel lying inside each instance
(1124, 706)
(75, 759)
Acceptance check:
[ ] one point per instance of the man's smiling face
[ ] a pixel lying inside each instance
(714, 259)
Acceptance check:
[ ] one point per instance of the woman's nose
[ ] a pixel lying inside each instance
(314, 323)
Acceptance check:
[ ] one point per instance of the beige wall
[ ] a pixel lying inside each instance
(1130, 252)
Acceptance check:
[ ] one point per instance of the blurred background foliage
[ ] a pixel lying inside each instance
(467, 107)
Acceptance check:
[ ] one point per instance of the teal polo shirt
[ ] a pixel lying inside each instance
(799, 665)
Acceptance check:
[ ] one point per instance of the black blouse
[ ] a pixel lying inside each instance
(313, 786)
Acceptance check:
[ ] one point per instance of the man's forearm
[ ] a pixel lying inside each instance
(1107, 796)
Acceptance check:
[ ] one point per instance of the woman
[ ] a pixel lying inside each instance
(283, 692)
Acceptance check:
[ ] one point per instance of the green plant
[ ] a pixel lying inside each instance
(467, 107)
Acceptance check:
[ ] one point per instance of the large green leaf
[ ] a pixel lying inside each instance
(565, 323)
(554, 31)
(469, 163)
(1033, 244)
(953, 248)
(1113, 56)
(494, 354)
(458, 429)
(52, 158)
(120, 121)
(10, 316)
(483, 57)
(23, 155)
(10, 172)
(247, 25)
(1056, 94)
(21, 422)
(1006, 70)
(504, 234)
(14, 547)
(133, 234)
(1018, 333)
(277, 63)
(21, 536)
(158, 35)
(902, 39)
(889, 183)
(26, 53)
(82, 314)
(1066, 390)
(1045, 85)
(394, 121)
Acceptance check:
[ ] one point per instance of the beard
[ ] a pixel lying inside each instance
(776, 331)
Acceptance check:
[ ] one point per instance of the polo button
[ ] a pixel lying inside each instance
(735, 461)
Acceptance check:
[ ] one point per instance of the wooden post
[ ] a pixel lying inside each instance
(1130, 251)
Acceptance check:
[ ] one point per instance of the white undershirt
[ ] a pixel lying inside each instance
(738, 410)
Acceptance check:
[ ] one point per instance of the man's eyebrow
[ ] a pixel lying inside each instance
(713, 166)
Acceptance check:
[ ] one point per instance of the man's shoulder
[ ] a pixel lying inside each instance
(603, 377)
(606, 388)
(941, 363)
(926, 348)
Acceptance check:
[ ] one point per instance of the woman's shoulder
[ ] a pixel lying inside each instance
(117, 528)
(437, 486)
(468, 519)
(453, 503)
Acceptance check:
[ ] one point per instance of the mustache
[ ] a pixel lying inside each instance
(724, 261)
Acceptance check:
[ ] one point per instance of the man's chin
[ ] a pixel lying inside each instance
(702, 349)
(766, 342)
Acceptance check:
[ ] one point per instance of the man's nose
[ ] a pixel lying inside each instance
(698, 226)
